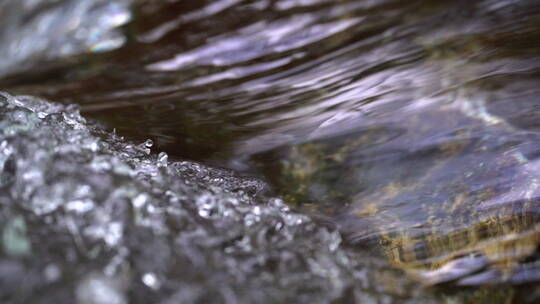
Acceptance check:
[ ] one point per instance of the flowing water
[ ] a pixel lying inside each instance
(408, 127)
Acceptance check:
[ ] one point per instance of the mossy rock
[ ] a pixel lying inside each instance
(449, 193)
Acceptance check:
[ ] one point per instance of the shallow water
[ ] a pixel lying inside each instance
(410, 121)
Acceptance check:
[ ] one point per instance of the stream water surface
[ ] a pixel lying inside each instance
(404, 135)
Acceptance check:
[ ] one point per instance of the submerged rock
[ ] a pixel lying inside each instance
(449, 193)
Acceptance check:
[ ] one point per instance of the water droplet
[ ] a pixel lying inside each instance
(91, 144)
(162, 159)
(150, 279)
(257, 210)
(80, 206)
(140, 200)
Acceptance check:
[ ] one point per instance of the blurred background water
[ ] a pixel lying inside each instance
(221, 80)
(335, 103)
(34, 31)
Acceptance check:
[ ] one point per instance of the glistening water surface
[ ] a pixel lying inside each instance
(410, 126)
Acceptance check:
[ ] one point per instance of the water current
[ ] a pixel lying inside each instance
(270, 151)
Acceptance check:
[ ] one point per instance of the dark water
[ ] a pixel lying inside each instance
(405, 124)
(220, 81)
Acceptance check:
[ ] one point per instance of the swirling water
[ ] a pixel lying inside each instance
(375, 115)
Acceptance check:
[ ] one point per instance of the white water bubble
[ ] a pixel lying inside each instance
(150, 279)
(140, 200)
(162, 159)
(80, 206)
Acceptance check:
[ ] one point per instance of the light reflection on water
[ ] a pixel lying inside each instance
(36, 30)
(249, 74)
